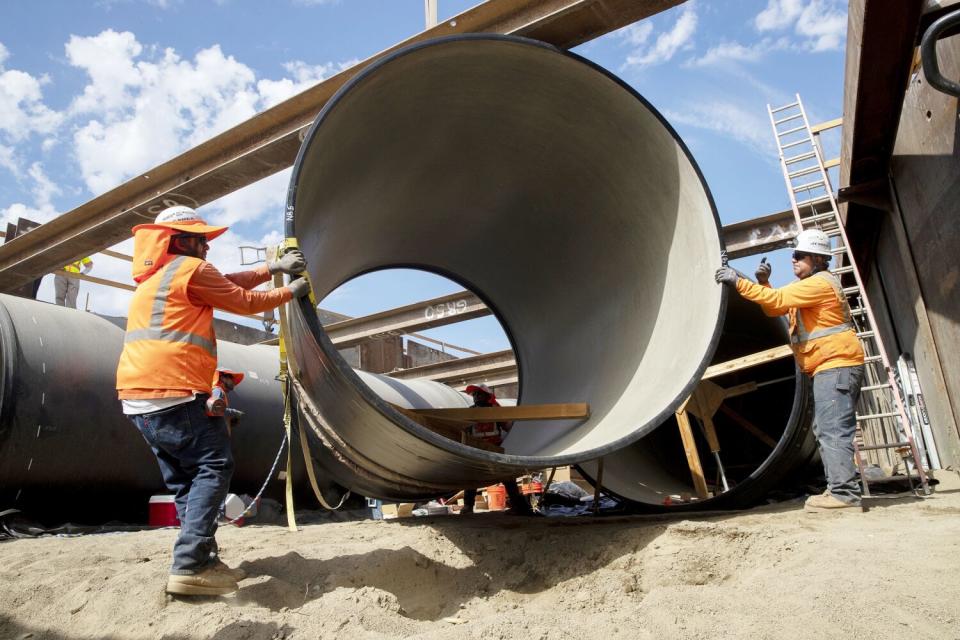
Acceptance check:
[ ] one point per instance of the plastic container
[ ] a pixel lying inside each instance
(496, 498)
(163, 512)
(531, 488)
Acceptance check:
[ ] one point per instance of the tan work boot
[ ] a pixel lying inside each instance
(212, 581)
(237, 574)
(827, 501)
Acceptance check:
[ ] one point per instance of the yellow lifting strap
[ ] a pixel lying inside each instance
(284, 377)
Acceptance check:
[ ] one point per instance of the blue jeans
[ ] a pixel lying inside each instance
(196, 462)
(835, 395)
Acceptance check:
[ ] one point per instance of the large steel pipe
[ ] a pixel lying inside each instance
(553, 191)
(655, 467)
(67, 451)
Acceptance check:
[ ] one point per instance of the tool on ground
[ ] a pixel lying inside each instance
(882, 422)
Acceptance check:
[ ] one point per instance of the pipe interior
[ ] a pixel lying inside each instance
(656, 467)
(556, 194)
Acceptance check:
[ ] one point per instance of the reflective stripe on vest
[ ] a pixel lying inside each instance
(156, 331)
(801, 336)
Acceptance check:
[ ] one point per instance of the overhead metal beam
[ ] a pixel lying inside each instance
(419, 316)
(268, 142)
(499, 364)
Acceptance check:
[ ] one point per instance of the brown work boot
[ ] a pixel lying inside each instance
(826, 501)
(237, 574)
(212, 581)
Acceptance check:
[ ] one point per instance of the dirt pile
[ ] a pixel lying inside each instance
(774, 572)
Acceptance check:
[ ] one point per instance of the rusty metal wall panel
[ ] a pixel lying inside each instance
(926, 175)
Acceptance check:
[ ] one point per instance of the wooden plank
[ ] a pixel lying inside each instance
(560, 411)
(693, 457)
(452, 429)
(825, 126)
(829, 164)
(752, 360)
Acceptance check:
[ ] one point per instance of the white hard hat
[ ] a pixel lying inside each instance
(183, 219)
(175, 214)
(813, 241)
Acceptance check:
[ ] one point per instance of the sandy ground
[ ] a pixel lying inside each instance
(773, 572)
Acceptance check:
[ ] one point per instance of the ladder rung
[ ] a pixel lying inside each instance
(837, 251)
(803, 172)
(800, 158)
(789, 131)
(808, 186)
(873, 360)
(804, 203)
(788, 119)
(793, 144)
(817, 217)
(866, 335)
(842, 270)
(785, 107)
(849, 291)
(857, 312)
(875, 387)
(874, 447)
(877, 416)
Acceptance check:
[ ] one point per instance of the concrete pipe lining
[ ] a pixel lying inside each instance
(549, 188)
(655, 466)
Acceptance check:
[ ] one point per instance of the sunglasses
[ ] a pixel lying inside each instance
(191, 236)
(800, 255)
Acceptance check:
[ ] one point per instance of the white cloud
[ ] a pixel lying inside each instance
(748, 126)
(43, 191)
(8, 161)
(145, 107)
(668, 43)
(822, 24)
(303, 77)
(635, 34)
(22, 111)
(778, 14)
(4, 53)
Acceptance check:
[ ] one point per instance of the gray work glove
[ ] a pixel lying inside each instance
(727, 276)
(292, 263)
(299, 287)
(763, 271)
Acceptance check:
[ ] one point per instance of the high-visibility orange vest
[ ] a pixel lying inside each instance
(170, 347)
(825, 338)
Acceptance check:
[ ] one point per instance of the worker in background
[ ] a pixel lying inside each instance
(218, 404)
(494, 433)
(66, 287)
(165, 376)
(826, 347)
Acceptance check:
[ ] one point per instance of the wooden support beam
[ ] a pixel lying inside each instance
(561, 411)
(690, 449)
(825, 126)
(455, 430)
(752, 360)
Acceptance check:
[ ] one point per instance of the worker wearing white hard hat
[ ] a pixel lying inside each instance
(825, 343)
(166, 372)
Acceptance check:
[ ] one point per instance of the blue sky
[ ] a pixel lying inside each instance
(94, 92)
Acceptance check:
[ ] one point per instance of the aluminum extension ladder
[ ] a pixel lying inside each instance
(882, 424)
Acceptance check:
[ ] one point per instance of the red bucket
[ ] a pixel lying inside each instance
(496, 498)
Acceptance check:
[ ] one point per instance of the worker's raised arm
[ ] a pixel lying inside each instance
(210, 287)
(808, 292)
(249, 279)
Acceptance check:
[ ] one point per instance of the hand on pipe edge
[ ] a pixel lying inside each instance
(292, 263)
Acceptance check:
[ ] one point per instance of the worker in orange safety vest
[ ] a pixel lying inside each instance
(166, 371)
(494, 433)
(825, 343)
